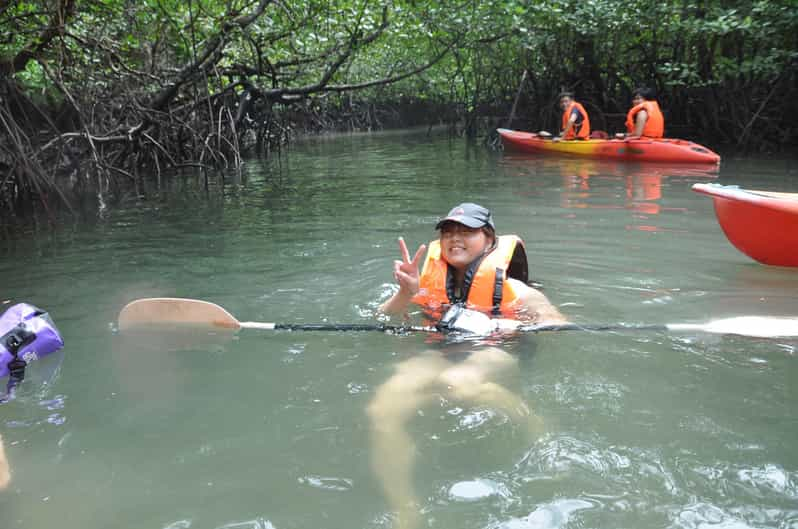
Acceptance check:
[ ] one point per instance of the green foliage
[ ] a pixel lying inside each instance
(600, 47)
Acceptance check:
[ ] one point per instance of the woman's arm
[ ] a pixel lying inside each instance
(640, 124)
(536, 305)
(397, 304)
(568, 127)
(5, 475)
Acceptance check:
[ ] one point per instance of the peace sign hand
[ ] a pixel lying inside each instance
(406, 271)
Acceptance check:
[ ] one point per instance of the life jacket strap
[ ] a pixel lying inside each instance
(468, 279)
(498, 286)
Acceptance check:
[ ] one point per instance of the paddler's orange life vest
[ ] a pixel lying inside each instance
(485, 286)
(655, 124)
(579, 130)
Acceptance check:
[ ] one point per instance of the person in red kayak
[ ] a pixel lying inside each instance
(471, 279)
(644, 119)
(575, 122)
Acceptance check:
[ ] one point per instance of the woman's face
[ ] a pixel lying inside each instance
(460, 245)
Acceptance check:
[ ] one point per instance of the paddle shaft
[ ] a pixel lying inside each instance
(402, 329)
(592, 327)
(718, 327)
(334, 327)
(743, 326)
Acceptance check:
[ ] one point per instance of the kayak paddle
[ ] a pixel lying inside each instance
(163, 312)
(755, 326)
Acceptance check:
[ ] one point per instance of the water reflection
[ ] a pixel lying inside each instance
(149, 364)
(592, 184)
(523, 163)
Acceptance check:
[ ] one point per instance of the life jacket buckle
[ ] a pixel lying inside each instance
(459, 319)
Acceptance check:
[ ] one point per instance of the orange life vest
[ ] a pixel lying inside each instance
(485, 287)
(655, 124)
(578, 131)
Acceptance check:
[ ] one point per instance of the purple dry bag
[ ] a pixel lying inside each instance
(26, 333)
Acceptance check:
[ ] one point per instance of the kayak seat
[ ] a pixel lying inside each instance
(599, 135)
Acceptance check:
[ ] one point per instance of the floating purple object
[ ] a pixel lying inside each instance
(29, 332)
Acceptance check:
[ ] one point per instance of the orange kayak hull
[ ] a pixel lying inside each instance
(761, 224)
(643, 150)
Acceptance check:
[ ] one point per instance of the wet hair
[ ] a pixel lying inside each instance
(490, 232)
(565, 94)
(645, 92)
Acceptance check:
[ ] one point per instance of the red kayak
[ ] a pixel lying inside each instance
(641, 150)
(761, 224)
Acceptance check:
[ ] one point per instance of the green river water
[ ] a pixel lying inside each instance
(268, 430)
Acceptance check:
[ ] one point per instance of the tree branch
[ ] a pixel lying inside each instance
(63, 11)
(213, 50)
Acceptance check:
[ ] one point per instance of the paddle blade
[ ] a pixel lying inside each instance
(757, 326)
(164, 312)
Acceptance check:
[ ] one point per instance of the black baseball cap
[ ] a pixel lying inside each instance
(468, 214)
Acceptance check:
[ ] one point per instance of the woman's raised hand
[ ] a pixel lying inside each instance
(406, 271)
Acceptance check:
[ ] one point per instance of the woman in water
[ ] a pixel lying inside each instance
(467, 266)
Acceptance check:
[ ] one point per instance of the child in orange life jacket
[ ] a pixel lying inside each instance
(644, 119)
(575, 122)
(461, 268)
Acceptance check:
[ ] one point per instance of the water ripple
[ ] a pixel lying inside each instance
(475, 419)
(477, 489)
(562, 454)
(353, 388)
(767, 481)
(769, 477)
(56, 418)
(258, 523)
(702, 515)
(327, 483)
(180, 524)
(547, 516)
(56, 403)
(577, 394)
